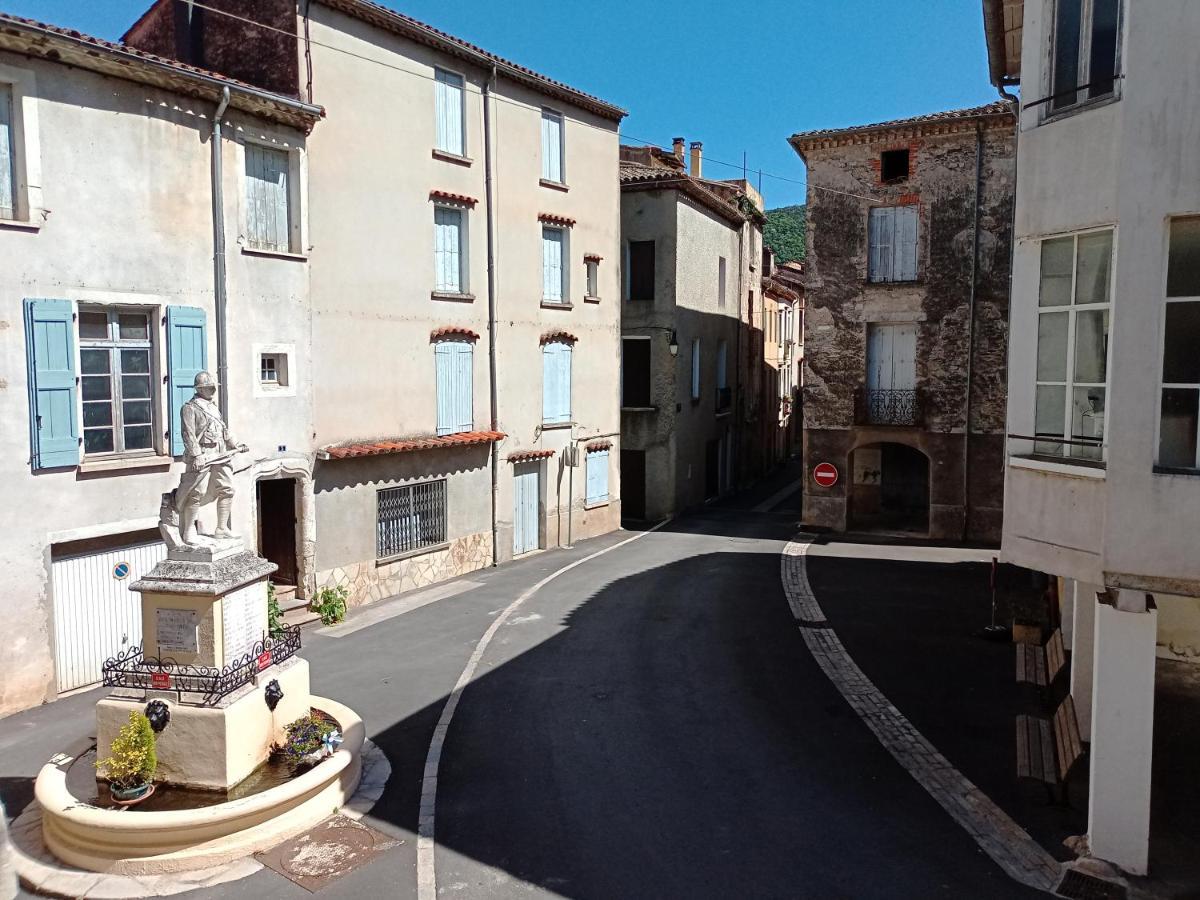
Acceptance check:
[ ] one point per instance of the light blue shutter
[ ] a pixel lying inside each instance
(597, 476)
(552, 146)
(552, 264)
(556, 383)
(448, 94)
(50, 357)
(447, 249)
(7, 167)
(455, 406)
(881, 224)
(268, 224)
(905, 266)
(187, 355)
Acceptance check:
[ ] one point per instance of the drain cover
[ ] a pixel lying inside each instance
(327, 852)
(1081, 886)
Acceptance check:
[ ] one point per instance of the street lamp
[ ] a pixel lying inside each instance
(674, 345)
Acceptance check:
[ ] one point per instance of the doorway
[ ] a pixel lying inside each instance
(633, 485)
(890, 490)
(277, 528)
(526, 484)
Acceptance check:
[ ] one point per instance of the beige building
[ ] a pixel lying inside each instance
(1102, 477)
(109, 305)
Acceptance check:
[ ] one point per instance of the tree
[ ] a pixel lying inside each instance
(785, 232)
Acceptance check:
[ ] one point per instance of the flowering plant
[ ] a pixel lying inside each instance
(133, 760)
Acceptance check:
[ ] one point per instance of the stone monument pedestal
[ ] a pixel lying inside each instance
(206, 654)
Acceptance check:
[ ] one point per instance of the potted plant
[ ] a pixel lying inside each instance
(130, 768)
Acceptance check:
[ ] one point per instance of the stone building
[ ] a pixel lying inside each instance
(692, 249)
(906, 322)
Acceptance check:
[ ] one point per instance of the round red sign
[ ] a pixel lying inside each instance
(825, 474)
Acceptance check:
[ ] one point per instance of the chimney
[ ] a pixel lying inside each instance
(677, 144)
(697, 159)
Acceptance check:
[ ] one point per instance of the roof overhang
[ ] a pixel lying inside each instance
(688, 187)
(1002, 25)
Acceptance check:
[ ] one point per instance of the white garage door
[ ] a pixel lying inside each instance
(95, 614)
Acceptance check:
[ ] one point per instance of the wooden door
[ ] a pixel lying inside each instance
(525, 508)
(277, 527)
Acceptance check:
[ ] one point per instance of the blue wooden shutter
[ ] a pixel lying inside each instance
(552, 124)
(447, 249)
(455, 400)
(881, 224)
(50, 357)
(556, 383)
(8, 202)
(448, 94)
(597, 476)
(187, 354)
(552, 264)
(905, 266)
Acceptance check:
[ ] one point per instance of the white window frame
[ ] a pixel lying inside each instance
(1171, 385)
(153, 346)
(564, 298)
(287, 385)
(463, 249)
(1083, 74)
(440, 75)
(26, 150)
(297, 192)
(592, 281)
(1069, 452)
(547, 174)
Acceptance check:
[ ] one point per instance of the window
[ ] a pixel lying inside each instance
(891, 397)
(115, 352)
(721, 280)
(273, 370)
(1085, 51)
(597, 476)
(451, 125)
(556, 383)
(1072, 349)
(268, 199)
(635, 373)
(449, 256)
(455, 386)
(892, 244)
(410, 518)
(1179, 423)
(554, 273)
(893, 166)
(641, 270)
(552, 147)
(696, 368)
(8, 162)
(724, 398)
(592, 264)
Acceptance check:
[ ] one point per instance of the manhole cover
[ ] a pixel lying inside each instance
(327, 852)
(1081, 886)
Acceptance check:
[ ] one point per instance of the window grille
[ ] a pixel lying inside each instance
(410, 518)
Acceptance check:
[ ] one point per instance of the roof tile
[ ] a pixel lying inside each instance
(408, 445)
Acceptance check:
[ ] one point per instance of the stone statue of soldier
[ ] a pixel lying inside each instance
(208, 451)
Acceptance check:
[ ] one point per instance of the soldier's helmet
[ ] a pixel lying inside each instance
(204, 379)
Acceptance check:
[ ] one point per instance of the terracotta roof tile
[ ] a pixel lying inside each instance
(597, 446)
(453, 198)
(453, 331)
(529, 455)
(551, 337)
(553, 219)
(408, 445)
(996, 108)
(593, 257)
(637, 177)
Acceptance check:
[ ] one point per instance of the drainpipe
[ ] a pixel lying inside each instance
(966, 479)
(491, 298)
(308, 50)
(218, 216)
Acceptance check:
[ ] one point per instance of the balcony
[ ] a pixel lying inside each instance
(887, 407)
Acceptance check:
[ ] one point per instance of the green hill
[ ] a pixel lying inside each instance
(785, 232)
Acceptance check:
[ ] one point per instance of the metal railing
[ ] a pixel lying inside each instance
(888, 407)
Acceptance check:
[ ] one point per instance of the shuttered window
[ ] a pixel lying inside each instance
(455, 406)
(556, 383)
(268, 199)
(597, 476)
(554, 288)
(448, 106)
(50, 357)
(116, 381)
(8, 165)
(448, 246)
(892, 244)
(187, 355)
(410, 518)
(552, 146)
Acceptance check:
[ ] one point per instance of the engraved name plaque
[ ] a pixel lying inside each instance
(177, 630)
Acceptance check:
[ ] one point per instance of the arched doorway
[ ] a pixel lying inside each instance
(890, 489)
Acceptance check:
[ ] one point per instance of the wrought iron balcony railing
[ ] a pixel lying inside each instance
(889, 407)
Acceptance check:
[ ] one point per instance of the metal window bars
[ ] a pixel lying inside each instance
(890, 407)
(410, 518)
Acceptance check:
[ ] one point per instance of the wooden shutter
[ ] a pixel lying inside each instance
(556, 383)
(187, 355)
(447, 249)
(268, 222)
(881, 226)
(552, 146)
(8, 202)
(904, 357)
(597, 476)
(50, 358)
(455, 403)
(904, 268)
(879, 357)
(448, 103)
(552, 264)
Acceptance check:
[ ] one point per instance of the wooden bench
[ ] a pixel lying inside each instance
(1041, 665)
(1047, 749)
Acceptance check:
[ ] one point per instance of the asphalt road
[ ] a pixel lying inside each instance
(650, 724)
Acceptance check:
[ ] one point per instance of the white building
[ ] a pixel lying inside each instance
(1103, 478)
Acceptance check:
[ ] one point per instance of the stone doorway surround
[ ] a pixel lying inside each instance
(300, 468)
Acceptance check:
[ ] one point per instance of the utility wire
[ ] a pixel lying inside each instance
(517, 103)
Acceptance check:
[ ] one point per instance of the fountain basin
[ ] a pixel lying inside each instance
(151, 843)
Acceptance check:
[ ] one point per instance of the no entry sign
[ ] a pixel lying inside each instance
(825, 474)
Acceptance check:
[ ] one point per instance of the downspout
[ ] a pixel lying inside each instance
(308, 51)
(218, 216)
(966, 478)
(491, 300)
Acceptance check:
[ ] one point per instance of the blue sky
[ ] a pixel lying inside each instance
(737, 76)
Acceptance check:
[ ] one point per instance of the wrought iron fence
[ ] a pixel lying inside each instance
(890, 407)
(130, 669)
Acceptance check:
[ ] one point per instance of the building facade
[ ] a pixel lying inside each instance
(906, 322)
(692, 248)
(109, 305)
(1102, 478)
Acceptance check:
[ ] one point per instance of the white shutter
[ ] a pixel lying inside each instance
(448, 103)
(881, 224)
(447, 249)
(7, 157)
(552, 146)
(268, 216)
(552, 264)
(905, 244)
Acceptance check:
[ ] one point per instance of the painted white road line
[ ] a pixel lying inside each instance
(1009, 845)
(370, 615)
(426, 817)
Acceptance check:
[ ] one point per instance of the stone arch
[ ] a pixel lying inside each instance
(299, 468)
(889, 487)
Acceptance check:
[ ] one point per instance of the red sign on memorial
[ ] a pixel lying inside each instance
(160, 681)
(264, 660)
(825, 474)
